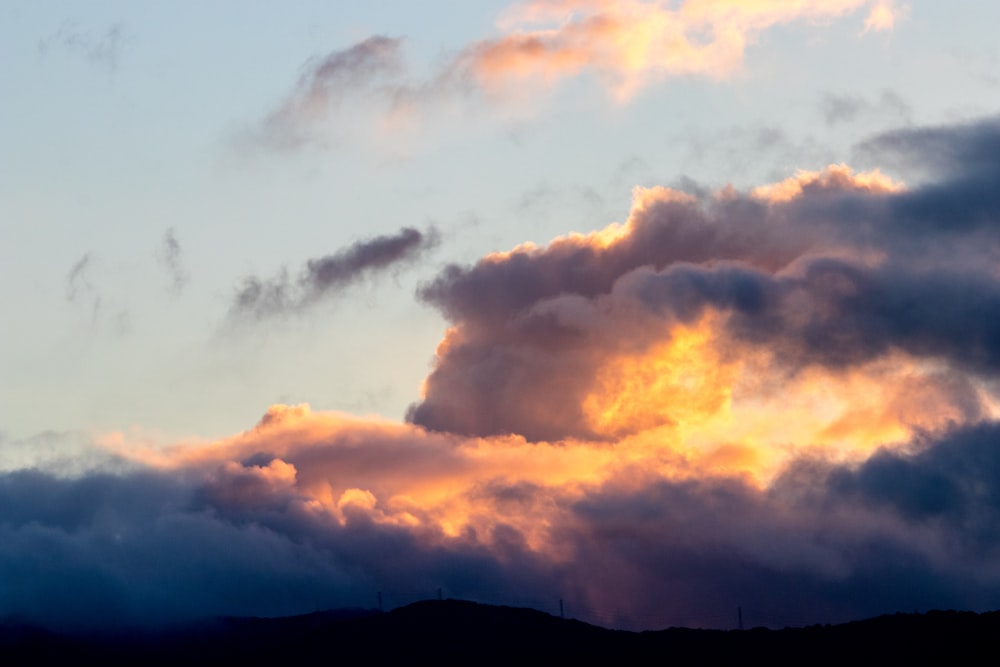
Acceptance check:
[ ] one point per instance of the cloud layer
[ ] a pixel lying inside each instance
(784, 399)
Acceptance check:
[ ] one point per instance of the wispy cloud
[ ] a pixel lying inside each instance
(629, 44)
(99, 48)
(327, 276)
(325, 82)
(76, 279)
(169, 256)
(80, 288)
(848, 108)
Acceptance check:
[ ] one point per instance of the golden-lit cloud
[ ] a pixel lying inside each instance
(884, 14)
(836, 177)
(635, 43)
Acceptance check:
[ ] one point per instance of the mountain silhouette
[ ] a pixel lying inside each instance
(456, 632)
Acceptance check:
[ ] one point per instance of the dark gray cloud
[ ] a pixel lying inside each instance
(841, 313)
(948, 153)
(327, 276)
(898, 532)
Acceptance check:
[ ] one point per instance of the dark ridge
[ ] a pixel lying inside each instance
(455, 632)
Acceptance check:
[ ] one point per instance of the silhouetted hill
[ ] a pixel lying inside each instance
(458, 632)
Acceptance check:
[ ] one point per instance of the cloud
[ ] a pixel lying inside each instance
(169, 256)
(782, 398)
(884, 14)
(103, 49)
(76, 279)
(324, 277)
(78, 285)
(634, 43)
(80, 290)
(832, 269)
(629, 44)
(356, 71)
(848, 108)
(315, 510)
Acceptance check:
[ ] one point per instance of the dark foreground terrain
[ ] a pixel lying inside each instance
(457, 632)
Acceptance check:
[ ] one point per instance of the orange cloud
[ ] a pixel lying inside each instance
(884, 14)
(634, 43)
(696, 405)
(834, 178)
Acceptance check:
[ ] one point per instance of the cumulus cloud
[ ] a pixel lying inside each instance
(327, 276)
(833, 269)
(785, 398)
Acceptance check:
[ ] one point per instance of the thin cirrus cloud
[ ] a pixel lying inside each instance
(362, 69)
(838, 109)
(783, 398)
(327, 276)
(169, 256)
(628, 44)
(96, 48)
(77, 281)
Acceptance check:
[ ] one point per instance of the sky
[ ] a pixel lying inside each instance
(659, 308)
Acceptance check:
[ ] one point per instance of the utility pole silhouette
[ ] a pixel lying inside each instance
(739, 615)
(561, 614)
(439, 595)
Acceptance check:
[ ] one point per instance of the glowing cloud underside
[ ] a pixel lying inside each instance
(785, 399)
